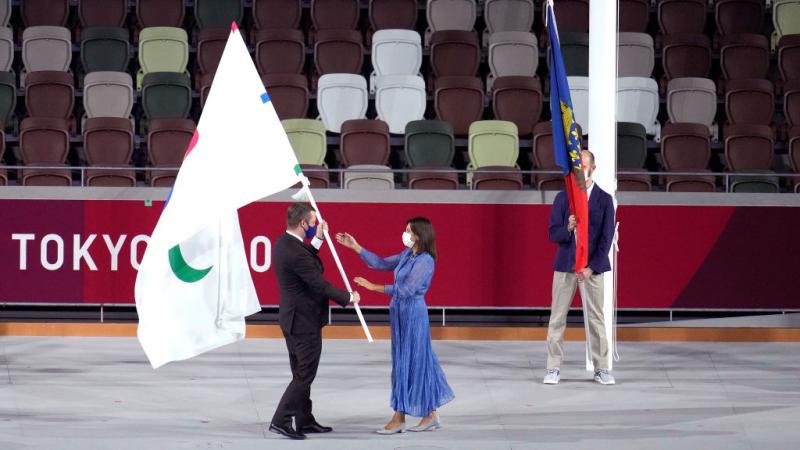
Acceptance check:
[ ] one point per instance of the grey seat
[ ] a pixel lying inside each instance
(108, 94)
(370, 177)
(637, 55)
(512, 53)
(450, 15)
(46, 48)
(5, 12)
(693, 100)
(507, 15)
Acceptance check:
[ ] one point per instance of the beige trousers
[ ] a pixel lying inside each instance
(592, 295)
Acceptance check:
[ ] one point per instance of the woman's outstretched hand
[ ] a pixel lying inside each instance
(365, 284)
(347, 240)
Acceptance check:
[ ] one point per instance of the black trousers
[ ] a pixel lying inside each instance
(304, 352)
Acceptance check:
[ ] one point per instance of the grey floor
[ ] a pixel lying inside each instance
(87, 393)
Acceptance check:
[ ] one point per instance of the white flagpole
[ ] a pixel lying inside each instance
(329, 241)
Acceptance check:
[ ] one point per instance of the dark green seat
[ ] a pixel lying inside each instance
(218, 13)
(429, 143)
(631, 157)
(763, 184)
(105, 49)
(166, 95)
(8, 97)
(575, 51)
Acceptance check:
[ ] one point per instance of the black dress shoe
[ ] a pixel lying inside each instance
(286, 431)
(314, 427)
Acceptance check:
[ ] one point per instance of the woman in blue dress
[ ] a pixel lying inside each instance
(419, 386)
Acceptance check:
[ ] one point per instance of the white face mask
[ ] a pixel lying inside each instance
(587, 174)
(407, 240)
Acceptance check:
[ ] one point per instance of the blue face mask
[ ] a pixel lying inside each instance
(311, 232)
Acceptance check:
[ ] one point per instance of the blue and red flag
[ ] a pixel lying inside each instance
(566, 143)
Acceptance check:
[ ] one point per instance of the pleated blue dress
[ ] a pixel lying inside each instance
(418, 382)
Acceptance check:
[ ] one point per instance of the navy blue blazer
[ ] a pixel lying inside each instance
(601, 231)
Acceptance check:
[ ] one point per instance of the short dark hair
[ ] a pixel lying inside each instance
(297, 213)
(426, 239)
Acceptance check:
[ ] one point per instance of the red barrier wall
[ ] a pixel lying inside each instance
(490, 255)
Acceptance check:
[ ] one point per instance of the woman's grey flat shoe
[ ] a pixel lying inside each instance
(395, 430)
(433, 425)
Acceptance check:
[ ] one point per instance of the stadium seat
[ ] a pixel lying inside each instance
(631, 157)
(749, 102)
(399, 99)
(455, 53)
(49, 94)
(44, 12)
(8, 97)
(744, 56)
(693, 100)
(277, 14)
(44, 141)
(392, 14)
(46, 48)
(210, 44)
(365, 141)
(218, 13)
(686, 55)
(493, 143)
(160, 13)
(789, 57)
(507, 15)
(307, 137)
(579, 94)
(108, 141)
(749, 147)
(370, 177)
(793, 144)
(739, 16)
(544, 159)
(162, 49)
(450, 15)
(459, 101)
(280, 51)
(102, 13)
(334, 14)
(105, 49)
(395, 52)
(433, 179)
(338, 51)
(682, 16)
(575, 51)
(755, 184)
(636, 55)
(572, 15)
(634, 16)
(518, 100)
(686, 147)
(108, 94)
(288, 93)
(341, 97)
(637, 101)
(429, 143)
(3, 172)
(167, 141)
(497, 179)
(204, 86)
(512, 53)
(791, 104)
(5, 12)
(166, 95)
(6, 49)
(785, 19)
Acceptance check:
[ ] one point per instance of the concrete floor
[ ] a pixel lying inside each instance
(100, 393)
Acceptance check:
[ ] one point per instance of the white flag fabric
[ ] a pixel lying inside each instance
(194, 288)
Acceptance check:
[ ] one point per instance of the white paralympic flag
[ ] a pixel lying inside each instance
(194, 288)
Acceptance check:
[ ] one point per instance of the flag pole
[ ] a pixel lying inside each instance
(328, 239)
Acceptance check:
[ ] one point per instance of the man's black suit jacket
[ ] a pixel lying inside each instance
(304, 293)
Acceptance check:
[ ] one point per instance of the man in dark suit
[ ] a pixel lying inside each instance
(304, 296)
(589, 280)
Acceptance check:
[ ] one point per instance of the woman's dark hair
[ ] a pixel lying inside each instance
(426, 240)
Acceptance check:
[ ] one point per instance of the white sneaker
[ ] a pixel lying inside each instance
(603, 377)
(552, 376)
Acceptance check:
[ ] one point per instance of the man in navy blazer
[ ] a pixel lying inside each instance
(589, 281)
